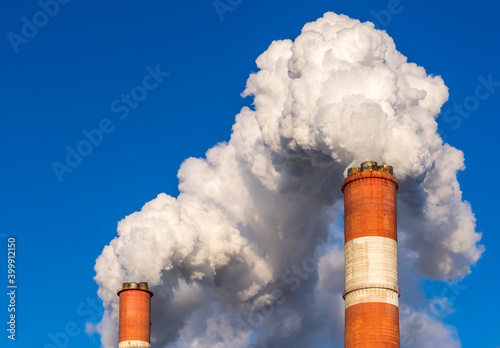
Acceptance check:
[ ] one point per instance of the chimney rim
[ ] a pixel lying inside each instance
(141, 286)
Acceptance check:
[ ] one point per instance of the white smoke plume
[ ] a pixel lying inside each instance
(250, 254)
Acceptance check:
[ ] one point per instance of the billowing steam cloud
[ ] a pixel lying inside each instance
(250, 254)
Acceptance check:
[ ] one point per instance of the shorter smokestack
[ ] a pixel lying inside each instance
(135, 315)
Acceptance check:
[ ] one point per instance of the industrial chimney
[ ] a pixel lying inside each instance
(135, 315)
(371, 263)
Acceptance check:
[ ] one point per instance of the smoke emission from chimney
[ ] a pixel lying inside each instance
(225, 257)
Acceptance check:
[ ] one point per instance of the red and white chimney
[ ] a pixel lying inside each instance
(371, 257)
(135, 315)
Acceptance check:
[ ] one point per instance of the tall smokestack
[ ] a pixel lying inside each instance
(371, 262)
(135, 315)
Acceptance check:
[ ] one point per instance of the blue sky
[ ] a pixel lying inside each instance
(68, 77)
